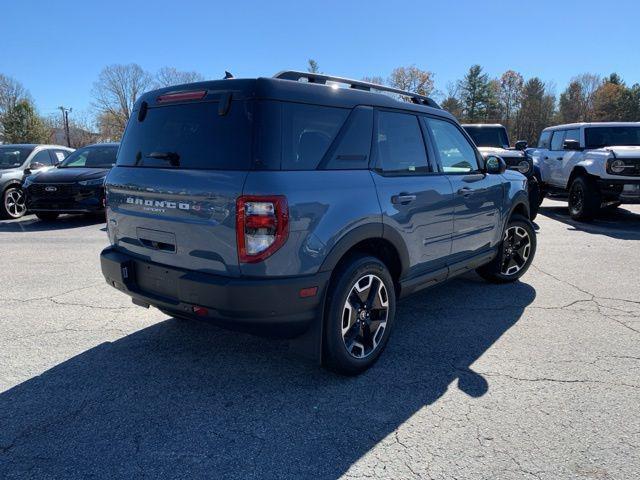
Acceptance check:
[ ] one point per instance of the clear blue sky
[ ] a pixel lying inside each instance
(56, 49)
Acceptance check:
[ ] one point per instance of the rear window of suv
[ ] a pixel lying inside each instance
(193, 134)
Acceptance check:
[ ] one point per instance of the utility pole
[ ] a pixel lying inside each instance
(65, 121)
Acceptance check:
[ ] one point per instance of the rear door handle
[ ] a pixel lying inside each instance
(403, 199)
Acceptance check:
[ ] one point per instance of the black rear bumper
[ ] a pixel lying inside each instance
(271, 306)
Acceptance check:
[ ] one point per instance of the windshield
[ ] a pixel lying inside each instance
(598, 137)
(189, 136)
(489, 136)
(92, 157)
(13, 157)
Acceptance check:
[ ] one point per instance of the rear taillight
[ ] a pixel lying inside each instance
(262, 226)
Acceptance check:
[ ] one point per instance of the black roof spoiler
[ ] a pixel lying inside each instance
(355, 84)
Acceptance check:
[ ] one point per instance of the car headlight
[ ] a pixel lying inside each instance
(617, 166)
(524, 167)
(95, 181)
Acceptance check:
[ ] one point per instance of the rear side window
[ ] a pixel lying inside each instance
(353, 145)
(307, 133)
(545, 140)
(399, 144)
(557, 140)
(190, 136)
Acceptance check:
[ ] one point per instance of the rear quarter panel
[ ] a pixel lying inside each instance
(324, 205)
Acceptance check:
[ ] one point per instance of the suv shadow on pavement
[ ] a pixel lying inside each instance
(183, 399)
(618, 223)
(30, 223)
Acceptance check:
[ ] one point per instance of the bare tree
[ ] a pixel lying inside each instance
(413, 80)
(510, 95)
(169, 76)
(115, 92)
(589, 84)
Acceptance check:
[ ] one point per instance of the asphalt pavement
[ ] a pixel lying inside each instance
(538, 379)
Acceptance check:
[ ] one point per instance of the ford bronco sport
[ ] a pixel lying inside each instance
(594, 165)
(296, 207)
(493, 139)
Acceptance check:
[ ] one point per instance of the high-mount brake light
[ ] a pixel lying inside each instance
(182, 96)
(262, 226)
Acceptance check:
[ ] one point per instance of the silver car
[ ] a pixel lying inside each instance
(18, 162)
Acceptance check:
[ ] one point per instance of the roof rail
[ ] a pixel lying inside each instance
(355, 84)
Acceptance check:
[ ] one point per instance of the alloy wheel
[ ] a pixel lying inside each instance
(364, 316)
(14, 203)
(515, 251)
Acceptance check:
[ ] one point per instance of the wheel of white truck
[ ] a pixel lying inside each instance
(359, 315)
(584, 199)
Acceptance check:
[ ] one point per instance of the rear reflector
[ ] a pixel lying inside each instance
(182, 96)
(201, 311)
(308, 292)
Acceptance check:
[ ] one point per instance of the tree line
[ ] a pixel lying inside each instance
(524, 106)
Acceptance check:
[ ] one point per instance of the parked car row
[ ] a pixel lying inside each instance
(594, 166)
(49, 179)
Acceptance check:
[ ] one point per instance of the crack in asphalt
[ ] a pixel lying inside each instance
(594, 298)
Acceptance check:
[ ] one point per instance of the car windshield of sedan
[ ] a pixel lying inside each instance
(488, 136)
(598, 137)
(91, 157)
(13, 157)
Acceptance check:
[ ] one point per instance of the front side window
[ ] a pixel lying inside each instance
(41, 159)
(456, 153)
(399, 144)
(573, 134)
(13, 157)
(598, 137)
(91, 157)
(545, 140)
(557, 140)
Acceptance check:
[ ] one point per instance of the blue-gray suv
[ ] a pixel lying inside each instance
(305, 205)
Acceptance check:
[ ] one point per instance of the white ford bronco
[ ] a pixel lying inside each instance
(595, 165)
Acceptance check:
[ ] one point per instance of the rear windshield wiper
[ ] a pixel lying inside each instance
(172, 157)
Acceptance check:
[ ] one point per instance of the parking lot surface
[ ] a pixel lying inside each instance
(538, 379)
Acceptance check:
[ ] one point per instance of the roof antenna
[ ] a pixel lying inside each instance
(227, 75)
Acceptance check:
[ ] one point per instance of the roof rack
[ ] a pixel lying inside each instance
(355, 84)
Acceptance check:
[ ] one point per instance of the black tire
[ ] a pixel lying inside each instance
(584, 199)
(512, 252)
(47, 216)
(361, 317)
(534, 198)
(12, 203)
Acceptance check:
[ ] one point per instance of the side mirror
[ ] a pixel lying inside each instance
(495, 165)
(28, 171)
(571, 145)
(36, 165)
(521, 145)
